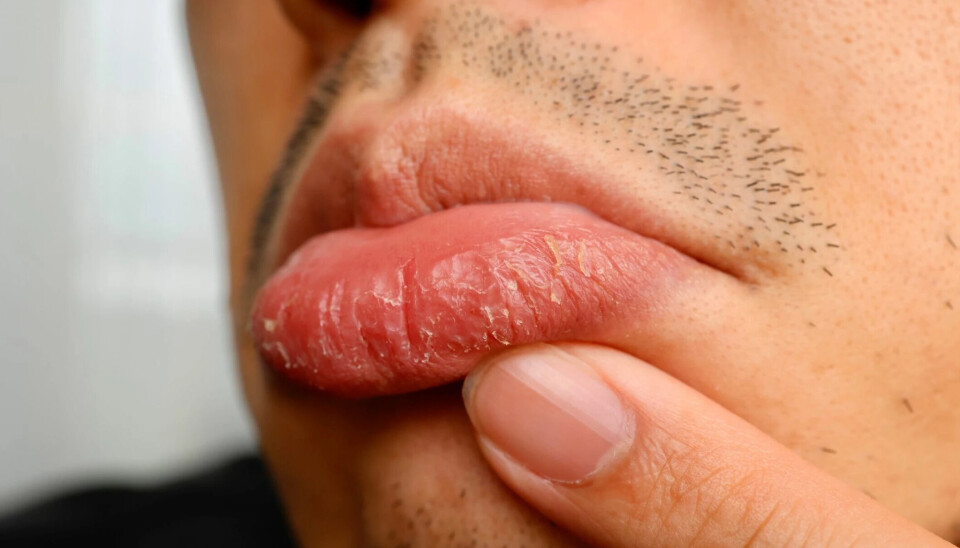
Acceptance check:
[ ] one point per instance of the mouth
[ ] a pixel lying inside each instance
(427, 226)
(414, 247)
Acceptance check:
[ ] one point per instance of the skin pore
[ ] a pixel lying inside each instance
(839, 335)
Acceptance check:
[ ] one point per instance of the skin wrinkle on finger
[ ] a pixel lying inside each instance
(747, 186)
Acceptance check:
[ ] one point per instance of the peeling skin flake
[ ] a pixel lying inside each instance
(552, 244)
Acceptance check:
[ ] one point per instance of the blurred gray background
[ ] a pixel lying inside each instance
(114, 339)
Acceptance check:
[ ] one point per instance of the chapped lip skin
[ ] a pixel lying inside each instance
(372, 311)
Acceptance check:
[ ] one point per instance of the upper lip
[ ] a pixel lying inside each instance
(370, 170)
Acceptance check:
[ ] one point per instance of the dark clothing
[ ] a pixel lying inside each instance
(231, 505)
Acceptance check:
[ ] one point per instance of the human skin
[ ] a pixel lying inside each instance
(843, 347)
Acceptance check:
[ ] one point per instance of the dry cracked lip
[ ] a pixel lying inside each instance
(373, 311)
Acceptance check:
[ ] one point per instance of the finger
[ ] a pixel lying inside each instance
(624, 455)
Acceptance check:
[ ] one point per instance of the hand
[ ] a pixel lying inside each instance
(622, 454)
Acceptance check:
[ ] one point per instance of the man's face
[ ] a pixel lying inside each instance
(768, 211)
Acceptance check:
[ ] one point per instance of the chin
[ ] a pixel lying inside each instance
(392, 471)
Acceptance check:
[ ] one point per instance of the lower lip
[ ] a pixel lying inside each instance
(365, 312)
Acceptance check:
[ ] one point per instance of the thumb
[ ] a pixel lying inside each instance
(622, 454)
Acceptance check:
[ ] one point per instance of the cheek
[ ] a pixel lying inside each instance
(254, 71)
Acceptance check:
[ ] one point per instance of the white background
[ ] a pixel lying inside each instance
(115, 352)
